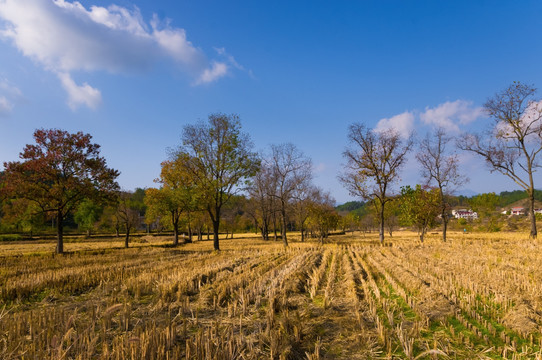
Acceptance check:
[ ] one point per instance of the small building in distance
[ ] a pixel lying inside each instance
(518, 210)
(465, 214)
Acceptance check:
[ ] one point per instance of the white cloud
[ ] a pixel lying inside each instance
(449, 114)
(531, 119)
(65, 36)
(320, 168)
(215, 72)
(80, 94)
(402, 123)
(5, 106)
(9, 94)
(7, 88)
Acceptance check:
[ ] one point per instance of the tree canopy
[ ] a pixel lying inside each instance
(58, 172)
(220, 160)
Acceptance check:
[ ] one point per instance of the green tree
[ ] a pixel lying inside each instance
(484, 204)
(87, 214)
(176, 196)
(219, 158)
(23, 215)
(420, 208)
(58, 173)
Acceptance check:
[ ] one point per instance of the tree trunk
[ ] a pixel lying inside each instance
(381, 225)
(189, 239)
(88, 233)
(175, 232)
(59, 232)
(444, 225)
(532, 215)
(216, 226)
(127, 238)
(302, 234)
(283, 213)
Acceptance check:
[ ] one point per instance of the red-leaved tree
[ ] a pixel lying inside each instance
(58, 172)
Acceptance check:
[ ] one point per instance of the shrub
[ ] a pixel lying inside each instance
(10, 237)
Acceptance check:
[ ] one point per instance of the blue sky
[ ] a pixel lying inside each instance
(133, 73)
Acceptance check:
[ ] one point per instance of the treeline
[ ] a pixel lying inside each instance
(214, 180)
(502, 200)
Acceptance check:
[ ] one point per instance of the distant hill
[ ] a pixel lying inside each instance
(465, 193)
(510, 197)
(350, 206)
(524, 203)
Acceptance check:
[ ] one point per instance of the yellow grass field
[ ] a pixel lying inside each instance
(476, 296)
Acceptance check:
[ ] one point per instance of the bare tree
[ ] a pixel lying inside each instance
(440, 169)
(511, 144)
(127, 214)
(374, 160)
(292, 171)
(219, 157)
(261, 205)
(301, 207)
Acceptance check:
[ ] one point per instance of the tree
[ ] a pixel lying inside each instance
(484, 204)
(511, 144)
(58, 172)
(374, 160)
(301, 207)
(420, 207)
(322, 215)
(292, 173)
(87, 214)
(262, 206)
(176, 196)
(23, 214)
(128, 213)
(441, 169)
(220, 160)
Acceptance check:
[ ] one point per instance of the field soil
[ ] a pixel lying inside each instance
(475, 296)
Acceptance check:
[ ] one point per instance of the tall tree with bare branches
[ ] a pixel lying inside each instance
(373, 162)
(511, 143)
(440, 168)
(261, 204)
(292, 172)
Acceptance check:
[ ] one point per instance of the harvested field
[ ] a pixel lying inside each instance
(477, 296)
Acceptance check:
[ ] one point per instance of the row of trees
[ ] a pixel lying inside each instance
(63, 174)
(216, 162)
(510, 146)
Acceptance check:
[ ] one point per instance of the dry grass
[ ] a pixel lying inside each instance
(477, 296)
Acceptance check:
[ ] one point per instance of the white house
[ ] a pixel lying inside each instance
(518, 210)
(465, 214)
